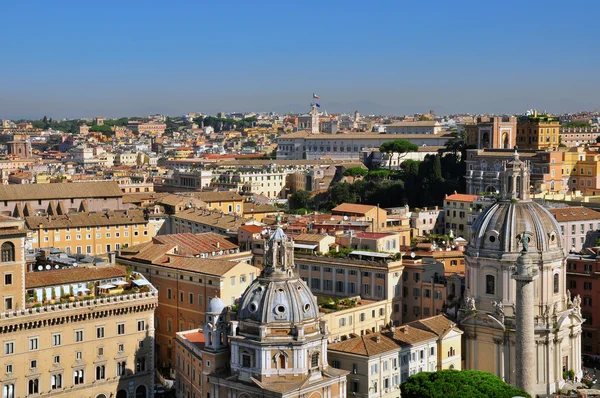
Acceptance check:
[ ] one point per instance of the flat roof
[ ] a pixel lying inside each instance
(371, 254)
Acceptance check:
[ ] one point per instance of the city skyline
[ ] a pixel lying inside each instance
(131, 59)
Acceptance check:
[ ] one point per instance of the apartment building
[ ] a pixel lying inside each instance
(457, 208)
(579, 227)
(76, 331)
(373, 215)
(186, 284)
(33, 199)
(196, 220)
(538, 131)
(583, 279)
(427, 221)
(91, 233)
(352, 316)
(579, 136)
(317, 243)
(388, 242)
(379, 362)
(270, 183)
(423, 288)
(341, 277)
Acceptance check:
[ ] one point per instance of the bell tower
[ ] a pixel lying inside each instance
(515, 179)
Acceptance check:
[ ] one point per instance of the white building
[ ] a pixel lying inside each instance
(425, 127)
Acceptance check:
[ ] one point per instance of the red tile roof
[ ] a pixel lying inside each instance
(353, 208)
(72, 275)
(461, 197)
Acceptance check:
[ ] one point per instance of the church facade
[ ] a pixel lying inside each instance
(519, 320)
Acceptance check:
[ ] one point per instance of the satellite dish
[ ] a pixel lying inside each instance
(75, 264)
(56, 266)
(40, 268)
(345, 218)
(332, 219)
(412, 255)
(48, 266)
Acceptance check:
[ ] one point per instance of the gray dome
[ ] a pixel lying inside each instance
(269, 300)
(501, 227)
(216, 305)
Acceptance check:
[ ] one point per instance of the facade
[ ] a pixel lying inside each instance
(379, 362)
(269, 183)
(388, 242)
(583, 279)
(578, 136)
(61, 340)
(373, 215)
(198, 220)
(305, 145)
(538, 132)
(579, 227)
(186, 285)
(457, 209)
(423, 288)
(519, 318)
(90, 233)
(427, 221)
(19, 149)
(277, 347)
(499, 132)
(424, 127)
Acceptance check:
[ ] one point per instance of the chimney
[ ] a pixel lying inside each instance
(378, 339)
(218, 245)
(111, 257)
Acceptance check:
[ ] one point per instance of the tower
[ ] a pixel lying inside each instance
(278, 342)
(314, 121)
(519, 320)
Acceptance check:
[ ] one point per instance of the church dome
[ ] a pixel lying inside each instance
(505, 224)
(216, 305)
(268, 300)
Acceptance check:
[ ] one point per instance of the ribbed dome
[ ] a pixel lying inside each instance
(502, 226)
(216, 305)
(268, 300)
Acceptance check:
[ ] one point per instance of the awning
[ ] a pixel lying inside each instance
(304, 246)
(141, 282)
(121, 283)
(106, 286)
(370, 254)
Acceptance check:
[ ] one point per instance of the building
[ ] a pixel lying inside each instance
(257, 212)
(379, 362)
(583, 273)
(196, 220)
(538, 132)
(90, 233)
(424, 290)
(388, 242)
(579, 136)
(457, 208)
(579, 227)
(276, 347)
(427, 221)
(314, 243)
(519, 322)
(20, 149)
(498, 132)
(376, 280)
(373, 215)
(37, 199)
(306, 145)
(418, 127)
(61, 339)
(186, 283)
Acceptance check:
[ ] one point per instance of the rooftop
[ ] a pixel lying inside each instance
(461, 197)
(84, 219)
(353, 208)
(565, 214)
(96, 189)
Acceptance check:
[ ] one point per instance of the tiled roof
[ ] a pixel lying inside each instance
(353, 208)
(439, 324)
(365, 345)
(214, 219)
(308, 237)
(565, 214)
(200, 265)
(72, 275)
(194, 244)
(101, 218)
(250, 208)
(253, 229)
(461, 197)
(96, 189)
(219, 196)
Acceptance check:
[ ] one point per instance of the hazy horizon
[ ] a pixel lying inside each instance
(76, 60)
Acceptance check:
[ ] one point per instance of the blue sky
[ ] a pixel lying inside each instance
(81, 59)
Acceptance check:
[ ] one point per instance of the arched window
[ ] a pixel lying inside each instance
(140, 392)
(121, 368)
(34, 386)
(556, 283)
(121, 394)
(7, 252)
(100, 372)
(281, 361)
(8, 391)
(490, 284)
(314, 360)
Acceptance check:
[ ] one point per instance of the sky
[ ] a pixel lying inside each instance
(68, 59)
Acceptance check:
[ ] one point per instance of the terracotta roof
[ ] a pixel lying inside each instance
(214, 219)
(96, 189)
(439, 324)
(353, 208)
(253, 229)
(373, 235)
(72, 275)
(365, 345)
(113, 217)
(219, 196)
(308, 237)
(565, 214)
(425, 123)
(200, 265)
(194, 244)
(461, 197)
(250, 208)
(308, 135)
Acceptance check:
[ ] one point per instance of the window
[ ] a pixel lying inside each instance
(8, 279)
(191, 298)
(56, 381)
(141, 325)
(121, 368)
(8, 391)
(78, 336)
(33, 344)
(374, 368)
(490, 284)
(556, 283)
(100, 332)
(79, 355)
(314, 360)
(33, 386)
(121, 328)
(78, 376)
(9, 348)
(587, 285)
(7, 252)
(354, 385)
(100, 372)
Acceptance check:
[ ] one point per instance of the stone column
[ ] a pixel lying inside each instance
(525, 345)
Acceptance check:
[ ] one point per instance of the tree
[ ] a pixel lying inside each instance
(300, 200)
(458, 384)
(401, 147)
(355, 171)
(252, 144)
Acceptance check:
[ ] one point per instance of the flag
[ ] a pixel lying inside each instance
(318, 106)
(315, 96)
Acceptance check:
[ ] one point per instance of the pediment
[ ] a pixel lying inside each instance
(482, 319)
